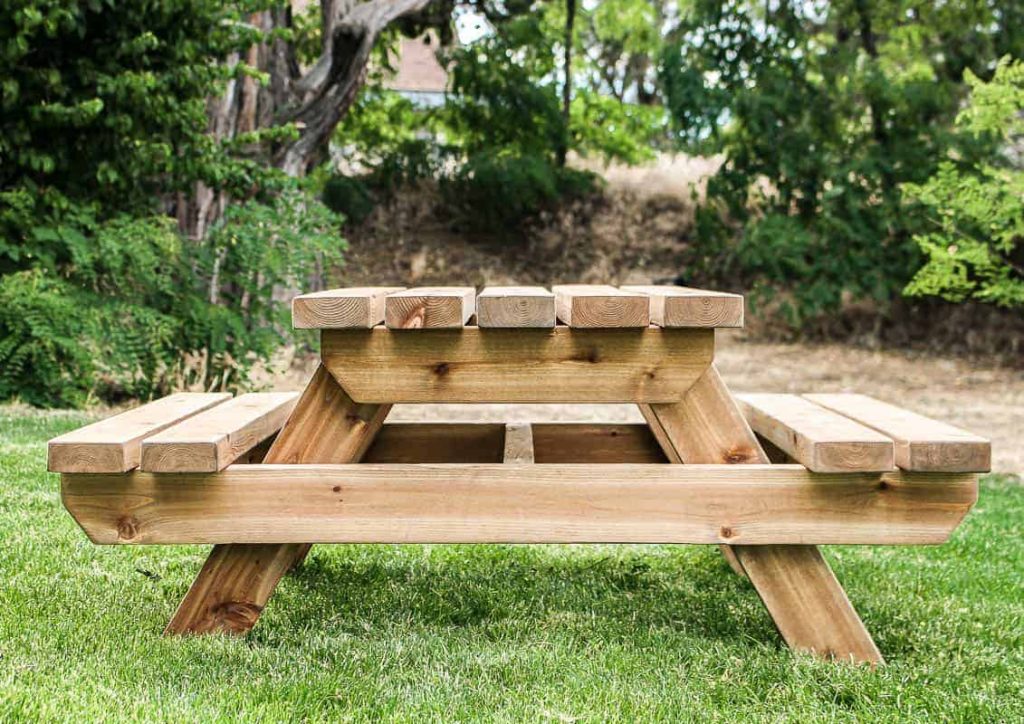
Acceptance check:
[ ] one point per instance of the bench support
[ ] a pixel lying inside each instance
(236, 581)
(795, 583)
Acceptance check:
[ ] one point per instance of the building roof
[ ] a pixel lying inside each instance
(418, 67)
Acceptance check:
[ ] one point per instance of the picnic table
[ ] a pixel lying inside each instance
(767, 477)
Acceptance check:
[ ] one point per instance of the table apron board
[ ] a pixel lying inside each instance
(473, 364)
(497, 503)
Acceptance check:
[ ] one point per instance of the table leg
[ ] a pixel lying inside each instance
(798, 588)
(236, 580)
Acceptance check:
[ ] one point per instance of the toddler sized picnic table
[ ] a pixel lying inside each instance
(768, 477)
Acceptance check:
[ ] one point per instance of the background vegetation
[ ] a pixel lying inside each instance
(166, 166)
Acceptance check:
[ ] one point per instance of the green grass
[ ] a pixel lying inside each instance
(508, 633)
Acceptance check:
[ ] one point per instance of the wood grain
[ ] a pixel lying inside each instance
(824, 441)
(429, 308)
(922, 444)
(114, 445)
(595, 443)
(351, 307)
(518, 444)
(684, 307)
(589, 306)
(215, 438)
(707, 426)
(367, 503)
(512, 307)
(236, 581)
(440, 442)
(517, 365)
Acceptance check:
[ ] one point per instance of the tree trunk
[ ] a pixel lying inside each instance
(570, 21)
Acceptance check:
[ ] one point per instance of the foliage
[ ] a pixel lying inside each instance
(821, 110)
(976, 250)
(348, 196)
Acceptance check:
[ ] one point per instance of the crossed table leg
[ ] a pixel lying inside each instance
(795, 583)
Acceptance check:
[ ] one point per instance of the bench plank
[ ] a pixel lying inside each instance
(588, 306)
(922, 444)
(429, 308)
(352, 307)
(518, 444)
(824, 441)
(507, 307)
(212, 440)
(114, 445)
(498, 503)
(673, 306)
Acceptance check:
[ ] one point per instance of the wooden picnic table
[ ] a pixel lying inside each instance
(767, 477)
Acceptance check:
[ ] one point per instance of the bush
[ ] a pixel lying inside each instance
(348, 196)
(495, 193)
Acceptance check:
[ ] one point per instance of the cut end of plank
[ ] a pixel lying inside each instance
(685, 307)
(598, 306)
(430, 308)
(351, 308)
(515, 307)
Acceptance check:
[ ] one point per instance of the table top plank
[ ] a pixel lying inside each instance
(515, 307)
(673, 306)
(589, 306)
(214, 439)
(823, 440)
(922, 444)
(114, 445)
(430, 308)
(351, 307)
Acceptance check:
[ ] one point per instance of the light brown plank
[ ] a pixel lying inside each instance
(824, 441)
(518, 444)
(212, 440)
(589, 306)
(442, 442)
(114, 445)
(673, 306)
(358, 307)
(367, 503)
(236, 581)
(595, 443)
(708, 426)
(510, 307)
(517, 365)
(922, 444)
(429, 308)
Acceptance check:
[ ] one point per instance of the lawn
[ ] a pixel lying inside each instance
(508, 633)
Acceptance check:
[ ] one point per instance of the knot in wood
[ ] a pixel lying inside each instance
(127, 528)
(236, 616)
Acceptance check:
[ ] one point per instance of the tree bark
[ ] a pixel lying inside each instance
(570, 21)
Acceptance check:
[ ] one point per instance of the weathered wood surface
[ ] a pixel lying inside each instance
(673, 306)
(518, 444)
(595, 443)
(824, 441)
(513, 307)
(588, 306)
(430, 308)
(517, 365)
(352, 307)
(707, 426)
(236, 581)
(366, 503)
(114, 445)
(215, 438)
(438, 442)
(922, 444)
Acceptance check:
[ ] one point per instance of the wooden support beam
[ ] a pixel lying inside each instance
(429, 308)
(511, 307)
(236, 581)
(517, 365)
(707, 426)
(675, 307)
(922, 444)
(353, 307)
(588, 306)
(518, 444)
(212, 440)
(114, 445)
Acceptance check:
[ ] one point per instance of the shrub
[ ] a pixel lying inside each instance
(348, 196)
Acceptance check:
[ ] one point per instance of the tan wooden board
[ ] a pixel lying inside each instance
(114, 445)
(673, 306)
(429, 308)
(589, 306)
(518, 444)
(922, 444)
(217, 437)
(517, 365)
(511, 307)
(824, 441)
(740, 504)
(595, 443)
(359, 307)
(441, 442)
